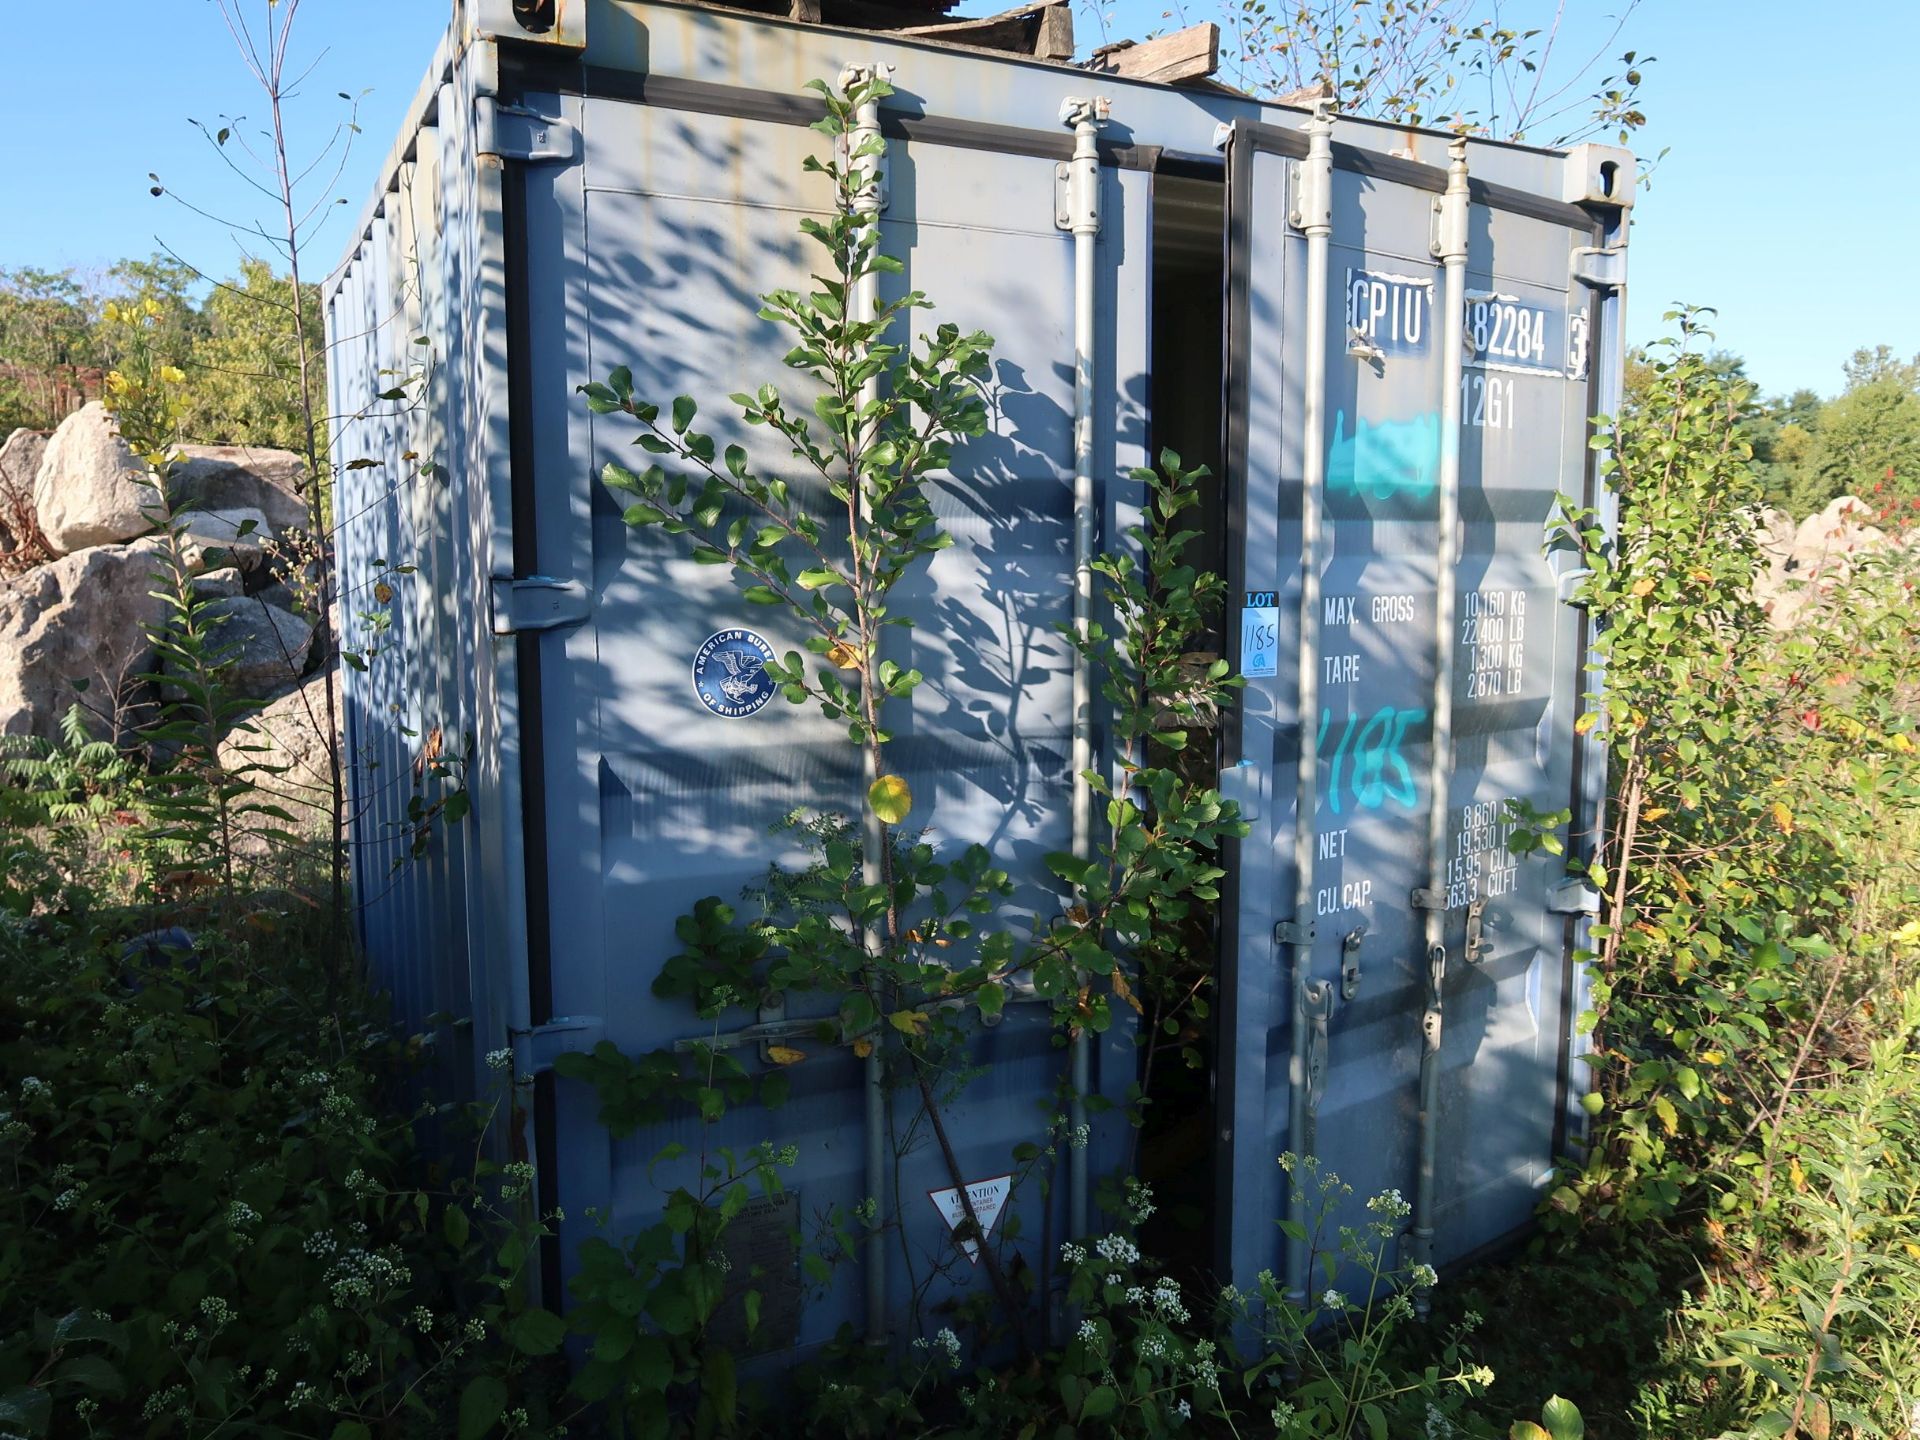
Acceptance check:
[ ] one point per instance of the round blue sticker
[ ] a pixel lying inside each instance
(730, 673)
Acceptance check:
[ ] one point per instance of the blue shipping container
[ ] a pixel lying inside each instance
(1388, 344)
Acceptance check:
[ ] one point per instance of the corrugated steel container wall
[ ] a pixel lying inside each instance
(547, 647)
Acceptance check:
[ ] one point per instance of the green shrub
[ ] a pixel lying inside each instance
(210, 1215)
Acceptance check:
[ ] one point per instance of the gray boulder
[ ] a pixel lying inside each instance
(269, 644)
(287, 737)
(87, 490)
(220, 584)
(1829, 542)
(19, 464)
(217, 539)
(81, 617)
(238, 477)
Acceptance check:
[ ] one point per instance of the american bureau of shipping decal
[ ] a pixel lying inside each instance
(730, 673)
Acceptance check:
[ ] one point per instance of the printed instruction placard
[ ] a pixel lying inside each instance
(988, 1198)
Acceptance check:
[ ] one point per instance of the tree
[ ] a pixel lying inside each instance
(169, 284)
(244, 372)
(1781, 432)
(1436, 63)
(1868, 444)
(50, 355)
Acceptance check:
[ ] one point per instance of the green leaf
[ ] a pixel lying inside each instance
(455, 1226)
(1101, 1400)
(815, 579)
(683, 412)
(761, 595)
(27, 1410)
(351, 1430)
(652, 1363)
(890, 798)
(1562, 1419)
(481, 1405)
(90, 1372)
(537, 1332)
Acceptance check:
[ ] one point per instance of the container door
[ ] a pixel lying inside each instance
(1506, 995)
(662, 791)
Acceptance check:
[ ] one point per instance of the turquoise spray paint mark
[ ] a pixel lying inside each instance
(1393, 457)
(1380, 772)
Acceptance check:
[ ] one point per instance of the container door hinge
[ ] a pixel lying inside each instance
(1573, 897)
(1600, 269)
(1292, 932)
(537, 602)
(1350, 962)
(1076, 182)
(764, 1036)
(511, 132)
(1425, 899)
(1477, 944)
(535, 1050)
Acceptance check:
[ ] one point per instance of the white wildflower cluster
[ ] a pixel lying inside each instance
(68, 1198)
(302, 1393)
(240, 1215)
(1390, 1205)
(946, 1342)
(34, 1088)
(1153, 1346)
(356, 1276)
(1116, 1250)
(1282, 1415)
(1424, 1277)
(420, 1318)
(162, 1402)
(359, 1183)
(1139, 1201)
(140, 1091)
(337, 1105)
(10, 1128)
(1072, 1255)
(1205, 1370)
(1167, 1303)
(1481, 1375)
(1334, 1300)
(357, 1365)
(1079, 1136)
(320, 1245)
(519, 1179)
(1184, 1410)
(867, 1210)
(787, 1155)
(219, 1314)
(722, 1261)
(517, 1421)
(1090, 1332)
(500, 1059)
(314, 1079)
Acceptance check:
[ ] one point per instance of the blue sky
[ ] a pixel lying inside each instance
(1789, 197)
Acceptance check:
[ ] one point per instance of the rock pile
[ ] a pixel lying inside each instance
(1808, 560)
(75, 626)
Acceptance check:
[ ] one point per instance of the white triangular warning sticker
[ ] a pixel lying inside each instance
(988, 1198)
